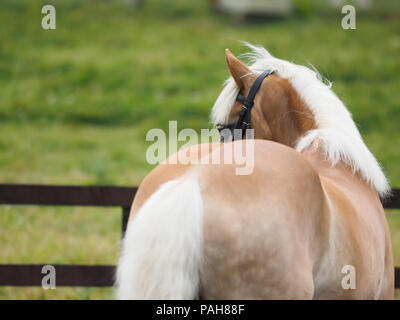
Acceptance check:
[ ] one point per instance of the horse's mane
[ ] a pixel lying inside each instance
(336, 131)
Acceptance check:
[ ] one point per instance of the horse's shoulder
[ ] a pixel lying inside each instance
(283, 160)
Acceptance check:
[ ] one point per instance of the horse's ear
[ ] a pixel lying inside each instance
(237, 68)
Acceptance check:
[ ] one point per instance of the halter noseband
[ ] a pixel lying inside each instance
(244, 121)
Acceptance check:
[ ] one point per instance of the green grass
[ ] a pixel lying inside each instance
(76, 103)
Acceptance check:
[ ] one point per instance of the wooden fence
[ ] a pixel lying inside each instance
(83, 275)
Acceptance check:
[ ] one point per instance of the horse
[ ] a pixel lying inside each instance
(306, 223)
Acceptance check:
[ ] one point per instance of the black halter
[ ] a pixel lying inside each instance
(244, 121)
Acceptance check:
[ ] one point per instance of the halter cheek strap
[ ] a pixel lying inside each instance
(244, 121)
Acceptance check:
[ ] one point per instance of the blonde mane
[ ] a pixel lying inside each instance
(336, 131)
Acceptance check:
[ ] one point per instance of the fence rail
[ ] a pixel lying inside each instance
(85, 275)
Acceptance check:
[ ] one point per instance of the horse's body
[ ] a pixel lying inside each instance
(286, 231)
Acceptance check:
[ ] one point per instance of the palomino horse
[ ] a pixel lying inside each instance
(306, 223)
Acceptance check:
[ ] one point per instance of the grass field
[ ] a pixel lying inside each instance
(76, 103)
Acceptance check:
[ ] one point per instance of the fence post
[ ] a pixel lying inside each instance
(125, 217)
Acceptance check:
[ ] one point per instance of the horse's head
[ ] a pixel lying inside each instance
(293, 106)
(278, 113)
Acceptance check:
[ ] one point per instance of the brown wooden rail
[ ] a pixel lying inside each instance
(84, 275)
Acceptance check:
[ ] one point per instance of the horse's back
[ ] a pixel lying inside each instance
(271, 168)
(259, 228)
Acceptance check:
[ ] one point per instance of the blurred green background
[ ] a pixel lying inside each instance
(76, 103)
